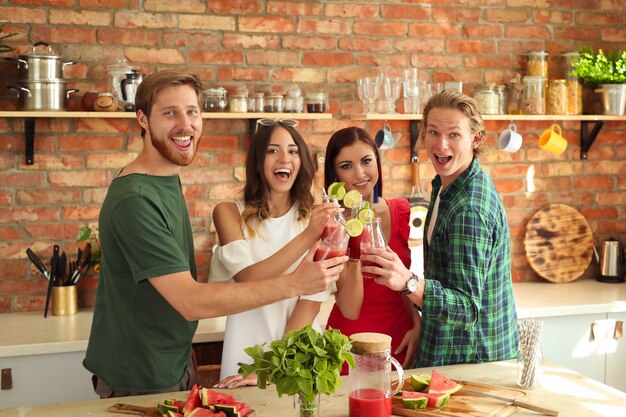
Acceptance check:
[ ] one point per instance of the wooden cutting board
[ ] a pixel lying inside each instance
(464, 404)
(558, 243)
(138, 410)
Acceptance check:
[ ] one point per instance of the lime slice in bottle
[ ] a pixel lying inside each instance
(352, 199)
(337, 189)
(354, 227)
(366, 215)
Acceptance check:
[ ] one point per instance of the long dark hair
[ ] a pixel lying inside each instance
(256, 190)
(339, 140)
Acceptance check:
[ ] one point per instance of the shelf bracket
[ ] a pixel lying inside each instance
(414, 131)
(586, 138)
(29, 140)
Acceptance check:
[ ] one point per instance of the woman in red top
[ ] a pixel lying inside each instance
(352, 157)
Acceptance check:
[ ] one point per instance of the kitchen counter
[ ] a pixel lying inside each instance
(57, 334)
(60, 334)
(561, 389)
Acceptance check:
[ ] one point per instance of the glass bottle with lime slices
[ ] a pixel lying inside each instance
(334, 237)
(372, 237)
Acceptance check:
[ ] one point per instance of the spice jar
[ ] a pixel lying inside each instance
(294, 102)
(238, 103)
(215, 99)
(487, 99)
(370, 379)
(274, 103)
(502, 98)
(316, 102)
(537, 65)
(557, 97)
(534, 97)
(256, 102)
(515, 93)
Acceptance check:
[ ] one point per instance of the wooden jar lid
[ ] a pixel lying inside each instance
(363, 343)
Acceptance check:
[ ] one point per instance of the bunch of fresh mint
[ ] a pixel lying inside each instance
(303, 362)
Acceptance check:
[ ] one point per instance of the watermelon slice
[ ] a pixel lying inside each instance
(204, 412)
(233, 410)
(441, 384)
(438, 400)
(413, 400)
(210, 397)
(193, 400)
(420, 382)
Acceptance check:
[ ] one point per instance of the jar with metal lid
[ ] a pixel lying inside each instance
(534, 97)
(215, 99)
(502, 98)
(238, 103)
(274, 103)
(557, 97)
(294, 102)
(537, 65)
(256, 102)
(316, 102)
(487, 98)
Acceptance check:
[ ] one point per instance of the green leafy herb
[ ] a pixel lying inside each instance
(600, 68)
(303, 362)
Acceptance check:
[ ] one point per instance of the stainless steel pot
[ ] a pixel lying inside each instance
(42, 95)
(40, 66)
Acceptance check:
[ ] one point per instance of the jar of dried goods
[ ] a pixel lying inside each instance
(487, 98)
(557, 97)
(534, 97)
(537, 65)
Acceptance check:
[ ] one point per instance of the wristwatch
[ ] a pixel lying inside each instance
(411, 285)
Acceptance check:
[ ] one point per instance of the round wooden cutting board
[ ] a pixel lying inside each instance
(558, 243)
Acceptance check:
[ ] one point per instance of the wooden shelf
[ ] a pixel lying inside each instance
(547, 117)
(132, 115)
(586, 137)
(31, 116)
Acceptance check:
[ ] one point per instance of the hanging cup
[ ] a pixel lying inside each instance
(510, 140)
(552, 140)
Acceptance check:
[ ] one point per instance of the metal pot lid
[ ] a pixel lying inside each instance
(46, 54)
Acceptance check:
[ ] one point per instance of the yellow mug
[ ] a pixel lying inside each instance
(552, 140)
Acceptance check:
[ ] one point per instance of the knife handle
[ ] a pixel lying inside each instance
(536, 408)
(37, 262)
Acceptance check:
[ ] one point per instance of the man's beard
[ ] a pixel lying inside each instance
(169, 151)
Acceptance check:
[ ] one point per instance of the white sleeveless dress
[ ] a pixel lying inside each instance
(267, 323)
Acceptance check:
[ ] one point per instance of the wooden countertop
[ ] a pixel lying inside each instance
(561, 389)
(57, 334)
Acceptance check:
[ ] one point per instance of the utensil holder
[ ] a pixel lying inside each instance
(64, 300)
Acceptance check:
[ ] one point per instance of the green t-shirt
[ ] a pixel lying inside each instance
(138, 341)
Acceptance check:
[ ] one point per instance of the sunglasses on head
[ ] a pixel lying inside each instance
(272, 122)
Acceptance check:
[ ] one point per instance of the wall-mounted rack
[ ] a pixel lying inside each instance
(31, 116)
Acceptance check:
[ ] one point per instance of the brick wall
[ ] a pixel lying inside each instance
(325, 44)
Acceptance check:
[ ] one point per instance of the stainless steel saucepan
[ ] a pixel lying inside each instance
(43, 95)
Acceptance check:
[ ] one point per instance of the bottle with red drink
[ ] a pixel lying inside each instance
(372, 237)
(334, 239)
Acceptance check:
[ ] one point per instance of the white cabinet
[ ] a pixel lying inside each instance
(46, 379)
(587, 344)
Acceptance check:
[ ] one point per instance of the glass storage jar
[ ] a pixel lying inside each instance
(274, 103)
(534, 97)
(256, 102)
(487, 98)
(215, 99)
(238, 103)
(537, 65)
(316, 102)
(514, 99)
(574, 87)
(294, 102)
(557, 97)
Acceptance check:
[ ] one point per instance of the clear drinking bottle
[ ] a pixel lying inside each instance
(372, 237)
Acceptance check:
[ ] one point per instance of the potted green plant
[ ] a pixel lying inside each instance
(3, 36)
(304, 363)
(87, 234)
(608, 71)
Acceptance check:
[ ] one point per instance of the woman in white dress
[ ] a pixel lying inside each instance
(267, 234)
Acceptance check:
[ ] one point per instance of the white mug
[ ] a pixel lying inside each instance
(510, 140)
